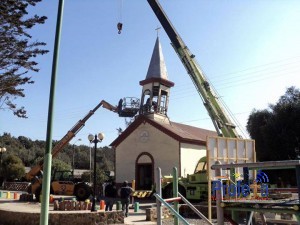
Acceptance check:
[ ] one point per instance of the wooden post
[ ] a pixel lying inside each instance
(219, 198)
(132, 197)
(209, 197)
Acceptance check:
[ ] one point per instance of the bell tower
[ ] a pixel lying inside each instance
(156, 87)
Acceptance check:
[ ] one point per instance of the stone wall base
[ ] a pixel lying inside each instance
(58, 218)
(151, 214)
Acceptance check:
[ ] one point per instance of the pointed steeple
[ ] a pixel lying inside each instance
(157, 70)
(156, 87)
(157, 67)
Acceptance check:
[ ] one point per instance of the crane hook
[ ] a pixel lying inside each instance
(119, 25)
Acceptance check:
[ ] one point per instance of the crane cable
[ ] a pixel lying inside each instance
(120, 24)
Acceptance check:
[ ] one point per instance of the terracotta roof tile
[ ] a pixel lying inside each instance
(189, 132)
(181, 132)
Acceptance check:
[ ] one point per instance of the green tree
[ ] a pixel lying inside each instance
(257, 127)
(86, 176)
(13, 168)
(101, 176)
(32, 153)
(17, 51)
(276, 130)
(60, 165)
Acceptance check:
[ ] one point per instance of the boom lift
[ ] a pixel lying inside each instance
(128, 108)
(194, 186)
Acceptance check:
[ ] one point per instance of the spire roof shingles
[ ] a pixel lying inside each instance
(157, 67)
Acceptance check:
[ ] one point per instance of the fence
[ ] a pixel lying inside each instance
(16, 186)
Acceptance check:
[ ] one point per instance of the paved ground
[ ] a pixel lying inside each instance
(138, 217)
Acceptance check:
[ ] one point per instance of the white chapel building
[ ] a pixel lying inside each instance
(152, 140)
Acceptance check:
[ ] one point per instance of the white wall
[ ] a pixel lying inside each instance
(190, 155)
(146, 138)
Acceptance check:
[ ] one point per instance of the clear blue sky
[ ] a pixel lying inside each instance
(249, 50)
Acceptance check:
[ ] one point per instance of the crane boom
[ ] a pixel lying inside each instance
(217, 113)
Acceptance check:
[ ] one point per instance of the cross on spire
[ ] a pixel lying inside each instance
(157, 30)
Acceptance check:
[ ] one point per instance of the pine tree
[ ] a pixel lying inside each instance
(17, 51)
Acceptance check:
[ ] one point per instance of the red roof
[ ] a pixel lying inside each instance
(180, 132)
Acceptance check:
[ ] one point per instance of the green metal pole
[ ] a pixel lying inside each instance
(48, 156)
(175, 194)
(176, 214)
(158, 192)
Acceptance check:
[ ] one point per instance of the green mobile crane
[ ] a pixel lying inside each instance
(194, 186)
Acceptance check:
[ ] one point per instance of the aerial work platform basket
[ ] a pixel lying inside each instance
(128, 106)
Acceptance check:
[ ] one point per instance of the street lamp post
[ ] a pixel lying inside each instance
(90, 163)
(95, 139)
(73, 161)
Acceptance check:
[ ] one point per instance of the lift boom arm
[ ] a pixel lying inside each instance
(218, 115)
(78, 126)
(68, 137)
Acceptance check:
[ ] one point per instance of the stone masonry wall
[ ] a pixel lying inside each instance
(151, 214)
(57, 218)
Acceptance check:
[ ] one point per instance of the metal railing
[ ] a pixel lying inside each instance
(176, 198)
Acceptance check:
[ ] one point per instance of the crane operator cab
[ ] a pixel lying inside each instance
(128, 106)
(200, 172)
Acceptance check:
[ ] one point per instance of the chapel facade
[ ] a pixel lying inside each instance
(152, 140)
